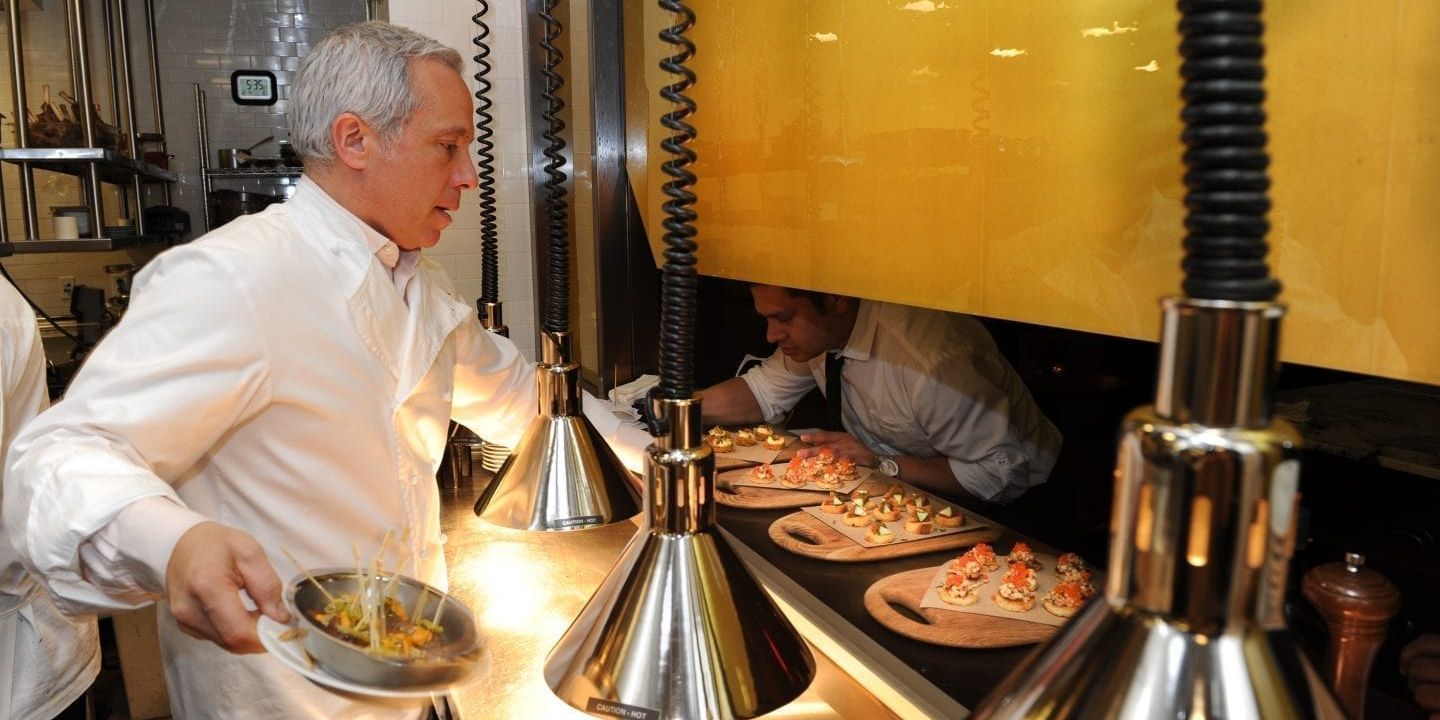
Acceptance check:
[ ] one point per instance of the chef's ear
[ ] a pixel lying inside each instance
(354, 140)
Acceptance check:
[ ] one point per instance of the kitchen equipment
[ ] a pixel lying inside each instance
(77, 213)
(288, 156)
(167, 220)
(1357, 604)
(679, 628)
(66, 228)
(1207, 478)
(235, 158)
(450, 662)
(227, 204)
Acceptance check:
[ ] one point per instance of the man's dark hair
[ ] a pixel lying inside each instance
(815, 297)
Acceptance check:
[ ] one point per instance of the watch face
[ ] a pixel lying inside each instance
(889, 466)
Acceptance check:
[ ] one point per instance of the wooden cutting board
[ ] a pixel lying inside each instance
(942, 627)
(759, 498)
(803, 534)
(750, 497)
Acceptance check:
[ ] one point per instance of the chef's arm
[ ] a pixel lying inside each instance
(729, 403)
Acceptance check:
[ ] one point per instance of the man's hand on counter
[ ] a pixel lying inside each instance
(1420, 662)
(209, 567)
(843, 445)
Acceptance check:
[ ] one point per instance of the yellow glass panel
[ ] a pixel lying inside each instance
(1022, 161)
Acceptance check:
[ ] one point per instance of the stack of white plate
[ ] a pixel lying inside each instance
(493, 455)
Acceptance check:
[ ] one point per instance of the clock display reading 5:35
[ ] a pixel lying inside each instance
(253, 87)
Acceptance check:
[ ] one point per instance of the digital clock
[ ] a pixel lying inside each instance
(253, 87)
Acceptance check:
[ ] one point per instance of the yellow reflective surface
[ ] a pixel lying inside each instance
(1022, 161)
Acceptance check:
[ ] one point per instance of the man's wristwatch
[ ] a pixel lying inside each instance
(888, 466)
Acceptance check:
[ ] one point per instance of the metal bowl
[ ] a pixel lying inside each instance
(454, 659)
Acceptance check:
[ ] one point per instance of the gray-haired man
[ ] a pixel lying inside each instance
(283, 384)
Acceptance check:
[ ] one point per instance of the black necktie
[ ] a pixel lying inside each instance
(833, 363)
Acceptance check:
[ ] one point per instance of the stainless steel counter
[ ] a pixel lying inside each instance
(525, 588)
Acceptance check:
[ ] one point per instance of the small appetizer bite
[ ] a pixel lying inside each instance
(718, 432)
(948, 518)
(722, 444)
(1015, 594)
(960, 590)
(879, 534)
(919, 523)
(1069, 564)
(828, 480)
(834, 505)
(858, 516)
(1020, 554)
(969, 567)
(887, 512)
(918, 501)
(1065, 599)
(861, 496)
(986, 555)
(744, 438)
(895, 489)
(774, 442)
(845, 467)
(762, 474)
(763, 431)
(825, 456)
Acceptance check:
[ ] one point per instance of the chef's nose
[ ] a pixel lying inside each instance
(464, 176)
(773, 334)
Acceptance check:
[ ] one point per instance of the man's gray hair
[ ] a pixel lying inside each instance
(362, 68)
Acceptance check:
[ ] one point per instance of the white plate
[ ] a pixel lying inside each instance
(291, 654)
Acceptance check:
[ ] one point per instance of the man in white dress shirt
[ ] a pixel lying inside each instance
(47, 660)
(924, 395)
(282, 385)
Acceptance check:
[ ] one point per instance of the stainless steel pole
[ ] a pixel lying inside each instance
(75, 13)
(204, 136)
(22, 129)
(122, 26)
(155, 82)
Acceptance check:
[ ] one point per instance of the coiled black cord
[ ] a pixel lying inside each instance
(679, 284)
(557, 302)
(485, 167)
(1225, 158)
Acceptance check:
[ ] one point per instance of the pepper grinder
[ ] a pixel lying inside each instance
(1357, 604)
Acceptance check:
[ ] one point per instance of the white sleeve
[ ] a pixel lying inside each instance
(22, 396)
(496, 396)
(962, 407)
(495, 393)
(189, 363)
(126, 560)
(777, 384)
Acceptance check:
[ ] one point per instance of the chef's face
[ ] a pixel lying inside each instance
(795, 324)
(420, 175)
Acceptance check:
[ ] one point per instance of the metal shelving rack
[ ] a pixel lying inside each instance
(93, 165)
(209, 175)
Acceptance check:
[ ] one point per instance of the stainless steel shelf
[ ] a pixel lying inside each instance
(31, 247)
(281, 172)
(114, 167)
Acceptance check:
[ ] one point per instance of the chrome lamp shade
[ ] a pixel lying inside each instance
(1192, 622)
(562, 475)
(680, 629)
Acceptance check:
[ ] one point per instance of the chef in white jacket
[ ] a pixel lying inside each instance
(47, 660)
(282, 384)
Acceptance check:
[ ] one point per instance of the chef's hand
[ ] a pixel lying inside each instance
(1420, 662)
(209, 567)
(843, 445)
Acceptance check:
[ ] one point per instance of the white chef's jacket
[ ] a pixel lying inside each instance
(47, 660)
(926, 383)
(268, 376)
